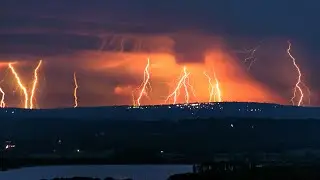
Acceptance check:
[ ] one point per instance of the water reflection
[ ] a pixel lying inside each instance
(136, 172)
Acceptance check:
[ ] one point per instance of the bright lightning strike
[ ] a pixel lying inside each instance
(299, 82)
(22, 87)
(186, 85)
(35, 82)
(214, 89)
(183, 82)
(218, 90)
(145, 84)
(211, 87)
(75, 90)
(2, 103)
(28, 101)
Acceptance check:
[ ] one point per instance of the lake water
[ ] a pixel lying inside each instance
(136, 172)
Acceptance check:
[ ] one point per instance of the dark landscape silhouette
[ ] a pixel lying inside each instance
(167, 112)
(268, 135)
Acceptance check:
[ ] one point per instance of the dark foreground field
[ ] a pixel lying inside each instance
(193, 141)
(40, 142)
(197, 135)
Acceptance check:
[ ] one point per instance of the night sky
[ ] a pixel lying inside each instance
(107, 44)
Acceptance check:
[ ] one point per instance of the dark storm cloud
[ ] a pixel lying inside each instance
(268, 17)
(230, 19)
(76, 26)
(46, 43)
(51, 36)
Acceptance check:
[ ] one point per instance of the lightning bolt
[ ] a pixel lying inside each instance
(75, 90)
(211, 87)
(145, 84)
(27, 104)
(251, 58)
(250, 55)
(22, 87)
(214, 89)
(2, 103)
(185, 85)
(183, 82)
(218, 90)
(299, 82)
(34, 85)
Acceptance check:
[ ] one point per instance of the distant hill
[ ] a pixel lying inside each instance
(168, 112)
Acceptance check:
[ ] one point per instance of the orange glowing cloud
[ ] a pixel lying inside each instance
(235, 83)
(123, 90)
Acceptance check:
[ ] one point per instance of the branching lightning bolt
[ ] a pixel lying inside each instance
(218, 90)
(2, 103)
(299, 82)
(187, 84)
(211, 87)
(34, 85)
(145, 84)
(214, 89)
(183, 82)
(251, 58)
(250, 55)
(22, 87)
(75, 90)
(28, 102)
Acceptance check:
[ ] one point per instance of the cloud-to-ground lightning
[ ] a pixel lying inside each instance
(20, 84)
(183, 82)
(2, 103)
(28, 101)
(187, 96)
(211, 87)
(299, 82)
(34, 85)
(218, 94)
(75, 91)
(145, 84)
(214, 89)
(187, 84)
